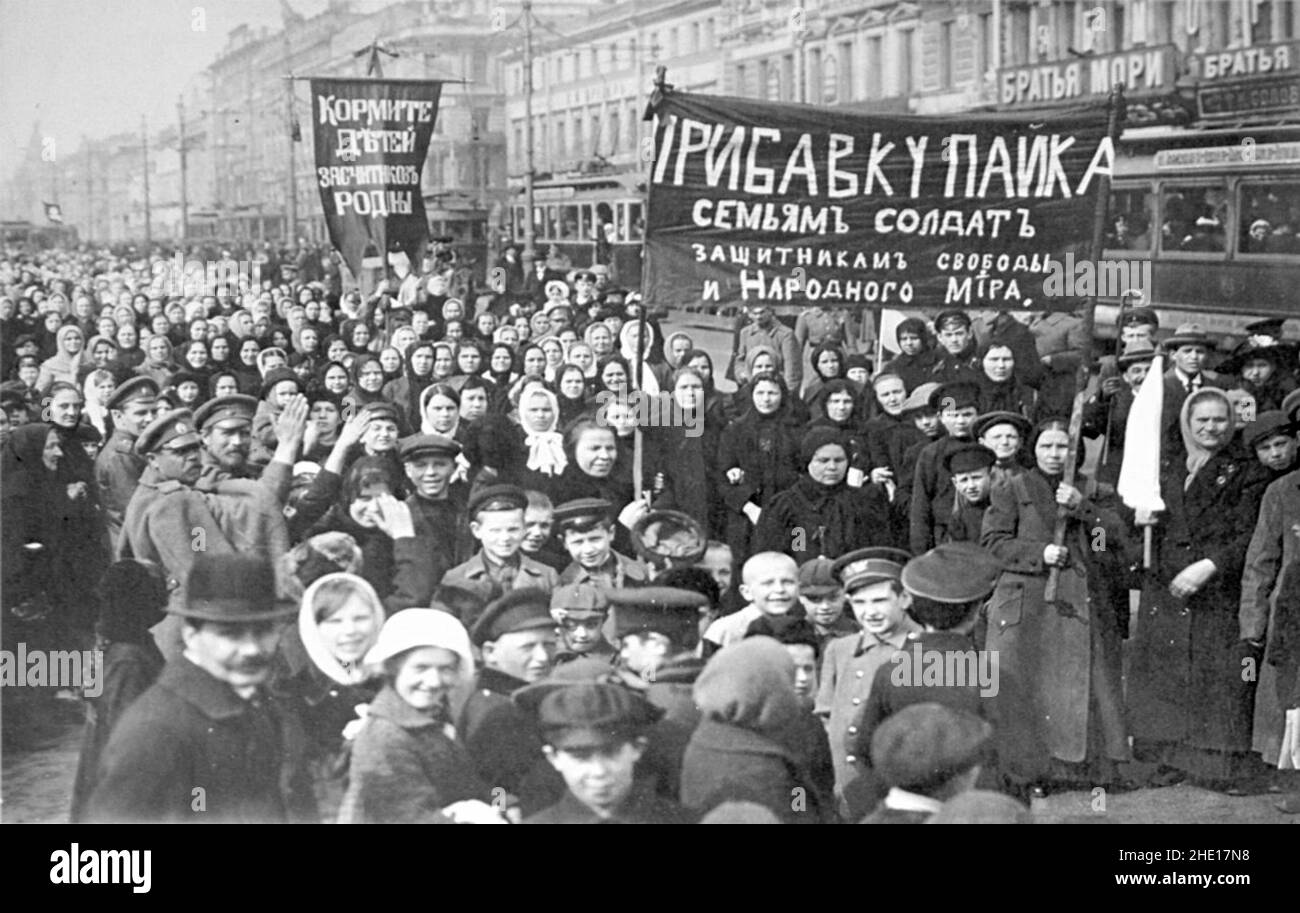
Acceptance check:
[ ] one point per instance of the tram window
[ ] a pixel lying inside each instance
(1194, 218)
(1130, 219)
(540, 223)
(1270, 218)
(568, 223)
(636, 220)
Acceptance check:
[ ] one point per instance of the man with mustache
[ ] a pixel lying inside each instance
(207, 742)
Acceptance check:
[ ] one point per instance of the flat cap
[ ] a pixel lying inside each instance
(989, 419)
(955, 573)
(817, 577)
(868, 565)
(968, 458)
(957, 394)
(593, 715)
(669, 537)
(223, 408)
(498, 497)
(579, 600)
(526, 609)
(418, 445)
(171, 431)
(583, 511)
(277, 376)
(923, 745)
(672, 612)
(1267, 425)
(140, 388)
(380, 410)
(582, 671)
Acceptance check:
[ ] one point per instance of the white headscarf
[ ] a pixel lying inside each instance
(1197, 455)
(309, 627)
(545, 448)
(648, 382)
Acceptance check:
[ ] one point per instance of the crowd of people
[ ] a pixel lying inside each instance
(406, 557)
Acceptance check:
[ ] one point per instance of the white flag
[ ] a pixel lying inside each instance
(1139, 475)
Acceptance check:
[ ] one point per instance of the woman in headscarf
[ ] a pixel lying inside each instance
(47, 334)
(129, 353)
(584, 357)
(839, 407)
(1000, 391)
(356, 334)
(408, 765)
(530, 454)
(634, 349)
(916, 357)
(600, 338)
(758, 457)
(405, 391)
(367, 382)
(614, 375)
(336, 380)
(222, 383)
(1190, 706)
(320, 671)
(533, 361)
(221, 353)
(444, 361)
(31, 532)
(500, 366)
(827, 362)
(572, 395)
(676, 348)
(717, 405)
(96, 389)
(195, 358)
(1059, 712)
(102, 356)
(158, 362)
(764, 359)
(686, 445)
(67, 361)
(553, 349)
(250, 376)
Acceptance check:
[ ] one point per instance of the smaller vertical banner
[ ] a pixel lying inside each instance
(371, 138)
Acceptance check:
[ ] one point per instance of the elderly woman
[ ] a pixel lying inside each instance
(321, 672)
(1059, 710)
(821, 514)
(407, 763)
(1190, 706)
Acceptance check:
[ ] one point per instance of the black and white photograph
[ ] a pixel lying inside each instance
(651, 412)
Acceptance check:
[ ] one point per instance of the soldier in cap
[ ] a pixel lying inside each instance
(497, 521)
(594, 734)
(932, 492)
(118, 467)
(586, 527)
(516, 638)
(207, 742)
(871, 578)
(926, 754)
(226, 424)
(580, 611)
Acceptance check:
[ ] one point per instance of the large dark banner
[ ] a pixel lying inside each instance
(759, 202)
(371, 137)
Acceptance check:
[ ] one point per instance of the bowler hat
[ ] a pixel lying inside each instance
(231, 588)
(1135, 354)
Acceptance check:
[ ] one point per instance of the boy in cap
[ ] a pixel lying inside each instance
(770, 582)
(587, 529)
(593, 735)
(926, 754)
(207, 742)
(956, 359)
(438, 505)
(118, 467)
(947, 585)
(971, 468)
(1272, 439)
(497, 522)
(580, 611)
(872, 580)
(516, 638)
(932, 491)
(821, 593)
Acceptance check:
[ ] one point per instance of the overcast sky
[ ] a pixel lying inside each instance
(94, 67)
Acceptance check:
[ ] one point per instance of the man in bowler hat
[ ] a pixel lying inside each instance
(206, 742)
